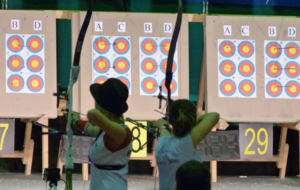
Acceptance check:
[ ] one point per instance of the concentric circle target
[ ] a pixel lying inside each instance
(15, 63)
(121, 65)
(15, 43)
(35, 63)
(173, 87)
(246, 68)
(15, 83)
(227, 48)
(125, 81)
(148, 46)
(246, 49)
(292, 89)
(101, 64)
(149, 66)
(35, 83)
(165, 46)
(274, 88)
(149, 85)
(227, 87)
(121, 45)
(273, 49)
(246, 87)
(274, 69)
(163, 66)
(227, 68)
(35, 44)
(291, 50)
(100, 79)
(292, 69)
(101, 45)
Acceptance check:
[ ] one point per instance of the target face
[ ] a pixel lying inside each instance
(15, 83)
(35, 83)
(15, 63)
(273, 49)
(125, 81)
(149, 85)
(274, 88)
(292, 89)
(148, 46)
(165, 46)
(100, 80)
(35, 44)
(292, 69)
(227, 87)
(246, 68)
(101, 64)
(121, 65)
(149, 66)
(227, 68)
(246, 87)
(101, 45)
(173, 87)
(121, 45)
(292, 50)
(15, 43)
(274, 69)
(246, 49)
(35, 63)
(163, 66)
(227, 48)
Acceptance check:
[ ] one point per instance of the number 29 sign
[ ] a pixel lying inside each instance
(256, 140)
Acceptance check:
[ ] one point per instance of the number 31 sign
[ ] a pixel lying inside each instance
(256, 140)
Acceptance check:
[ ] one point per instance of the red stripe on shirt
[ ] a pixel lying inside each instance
(125, 143)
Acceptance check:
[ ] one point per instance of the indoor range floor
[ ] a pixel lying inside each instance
(20, 181)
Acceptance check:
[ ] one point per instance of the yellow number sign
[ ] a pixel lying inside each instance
(7, 136)
(139, 139)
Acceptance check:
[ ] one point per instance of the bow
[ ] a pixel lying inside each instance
(169, 72)
(69, 164)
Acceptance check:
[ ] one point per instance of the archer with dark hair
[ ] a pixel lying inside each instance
(177, 146)
(193, 175)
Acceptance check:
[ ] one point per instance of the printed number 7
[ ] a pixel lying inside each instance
(258, 140)
(5, 125)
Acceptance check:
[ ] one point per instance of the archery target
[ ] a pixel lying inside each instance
(101, 64)
(274, 69)
(125, 81)
(227, 68)
(227, 48)
(149, 65)
(173, 87)
(35, 83)
(15, 83)
(121, 65)
(273, 49)
(35, 63)
(292, 69)
(246, 87)
(101, 45)
(15, 63)
(291, 50)
(149, 85)
(148, 46)
(292, 89)
(35, 44)
(274, 88)
(246, 68)
(227, 87)
(163, 66)
(121, 45)
(15, 43)
(165, 46)
(100, 80)
(246, 49)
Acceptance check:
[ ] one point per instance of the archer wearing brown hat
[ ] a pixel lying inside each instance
(109, 155)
